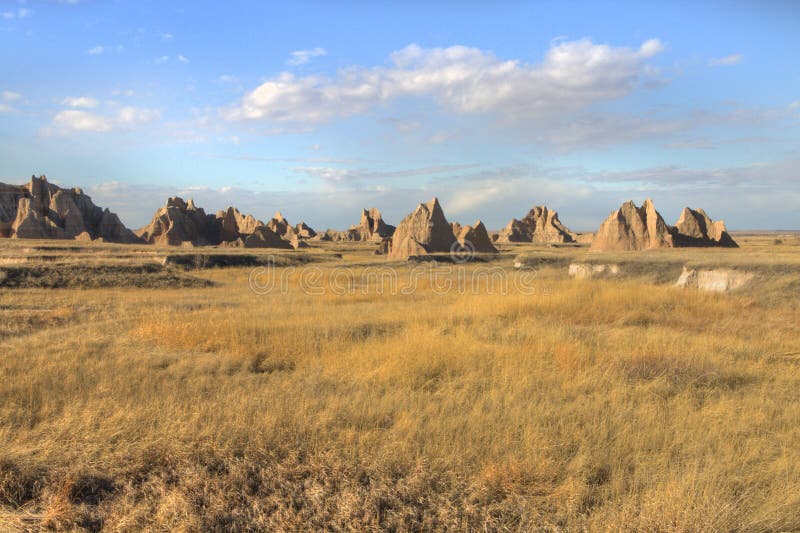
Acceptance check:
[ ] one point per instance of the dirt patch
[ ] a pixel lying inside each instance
(99, 276)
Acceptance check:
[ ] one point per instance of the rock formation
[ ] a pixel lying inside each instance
(587, 270)
(278, 224)
(633, 228)
(425, 231)
(41, 210)
(233, 225)
(370, 227)
(475, 238)
(182, 223)
(305, 231)
(714, 280)
(264, 237)
(695, 228)
(540, 225)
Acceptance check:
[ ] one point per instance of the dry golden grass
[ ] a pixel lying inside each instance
(587, 405)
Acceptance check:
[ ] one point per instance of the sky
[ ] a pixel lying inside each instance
(319, 109)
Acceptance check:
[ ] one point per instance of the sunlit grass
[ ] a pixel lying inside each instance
(597, 405)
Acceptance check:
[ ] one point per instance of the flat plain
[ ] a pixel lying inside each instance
(142, 396)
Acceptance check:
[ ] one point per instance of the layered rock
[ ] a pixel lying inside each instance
(181, 223)
(264, 237)
(305, 231)
(475, 238)
(233, 224)
(714, 280)
(695, 228)
(633, 228)
(371, 227)
(279, 224)
(425, 231)
(540, 225)
(587, 270)
(294, 235)
(41, 210)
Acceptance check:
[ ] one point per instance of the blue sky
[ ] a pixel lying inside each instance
(321, 108)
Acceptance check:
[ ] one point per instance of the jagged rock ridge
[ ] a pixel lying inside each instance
(42, 210)
(539, 225)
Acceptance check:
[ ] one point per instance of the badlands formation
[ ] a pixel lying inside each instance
(540, 225)
(643, 228)
(425, 231)
(40, 210)
(371, 227)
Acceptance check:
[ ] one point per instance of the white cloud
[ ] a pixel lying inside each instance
(795, 105)
(227, 78)
(183, 59)
(85, 102)
(5, 108)
(301, 57)
(84, 121)
(10, 96)
(167, 36)
(21, 13)
(96, 51)
(160, 60)
(347, 174)
(727, 61)
(572, 76)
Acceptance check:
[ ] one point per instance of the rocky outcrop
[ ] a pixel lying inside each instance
(587, 270)
(264, 237)
(41, 210)
(370, 227)
(476, 239)
(305, 231)
(279, 224)
(695, 228)
(540, 225)
(633, 228)
(425, 231)
(233, 225)
(714, 280)
(181, 223)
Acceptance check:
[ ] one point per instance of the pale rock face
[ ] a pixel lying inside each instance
(714, 280)
(370, 227)
(305, 231)
(180, 224)
(278, 224)
(633, 228)
(40, 210)
(695, 228)
(476, 238)
(587, 271)
(233, 224)
(263, 237)
(540, 225)
(425, 231)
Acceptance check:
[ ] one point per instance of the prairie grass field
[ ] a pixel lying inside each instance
(176, 398)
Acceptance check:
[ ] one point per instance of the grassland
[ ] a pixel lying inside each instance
(614, 404)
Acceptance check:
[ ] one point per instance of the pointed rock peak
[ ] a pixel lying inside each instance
(190, 204)
(176, 201)
(279, 216)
